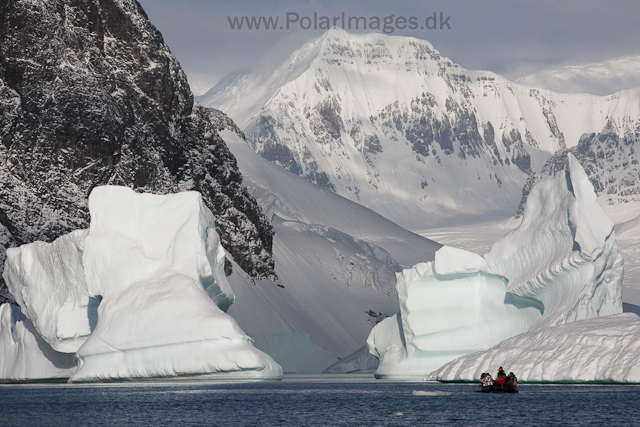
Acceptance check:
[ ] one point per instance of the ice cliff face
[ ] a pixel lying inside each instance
(561, 265)
(25, 355)
(390, 123)
(91, 95)
(140, 294)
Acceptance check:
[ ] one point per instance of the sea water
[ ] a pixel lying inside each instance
(317, 400)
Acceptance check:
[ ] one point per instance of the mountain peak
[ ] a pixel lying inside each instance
(388, 122)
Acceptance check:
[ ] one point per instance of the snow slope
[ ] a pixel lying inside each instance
(605, 349)
(561, 265)
(336, 262)
(139, 295)
(389, 123)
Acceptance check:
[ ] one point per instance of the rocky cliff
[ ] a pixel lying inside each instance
(90, 94)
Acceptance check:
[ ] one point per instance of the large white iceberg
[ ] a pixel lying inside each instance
(139, 295)
(449, 307)
(559, 266)
(605, 349)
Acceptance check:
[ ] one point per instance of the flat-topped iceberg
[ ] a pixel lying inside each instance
(559, 266)
(605, 349)
(139, 295)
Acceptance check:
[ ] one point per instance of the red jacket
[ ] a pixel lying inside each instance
(500, 379)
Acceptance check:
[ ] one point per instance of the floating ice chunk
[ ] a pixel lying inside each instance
(559, 266)
(47, 281)
(139, 295)
(605, 349)
(24, 355)
(157, 264)
(430, 393)
(447, 311)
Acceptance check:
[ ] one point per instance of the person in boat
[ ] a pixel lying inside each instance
(486, 380)
(511, 379)
(501, 378)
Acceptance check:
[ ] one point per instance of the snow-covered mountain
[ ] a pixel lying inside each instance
(598, 78)
(90, 94)
(390, 123)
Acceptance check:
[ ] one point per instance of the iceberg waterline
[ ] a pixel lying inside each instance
(560, 266)
(139, 295)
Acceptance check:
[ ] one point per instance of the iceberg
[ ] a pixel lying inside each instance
(47, 280)
(141, 294)
(24, 355)
(449, 307)
(561, 265)
(564, 253)
(605, 349)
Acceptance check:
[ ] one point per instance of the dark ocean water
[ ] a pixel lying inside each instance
(315, 401)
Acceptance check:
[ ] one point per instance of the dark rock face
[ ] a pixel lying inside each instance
(610, 161)
(91, 95)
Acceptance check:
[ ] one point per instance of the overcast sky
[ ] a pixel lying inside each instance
(506, 36)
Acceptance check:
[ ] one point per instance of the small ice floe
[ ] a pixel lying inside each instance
(430, 393)
(398, 414)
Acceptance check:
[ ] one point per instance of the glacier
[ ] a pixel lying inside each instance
(141, 294)
(561, 265)
(604, 349)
